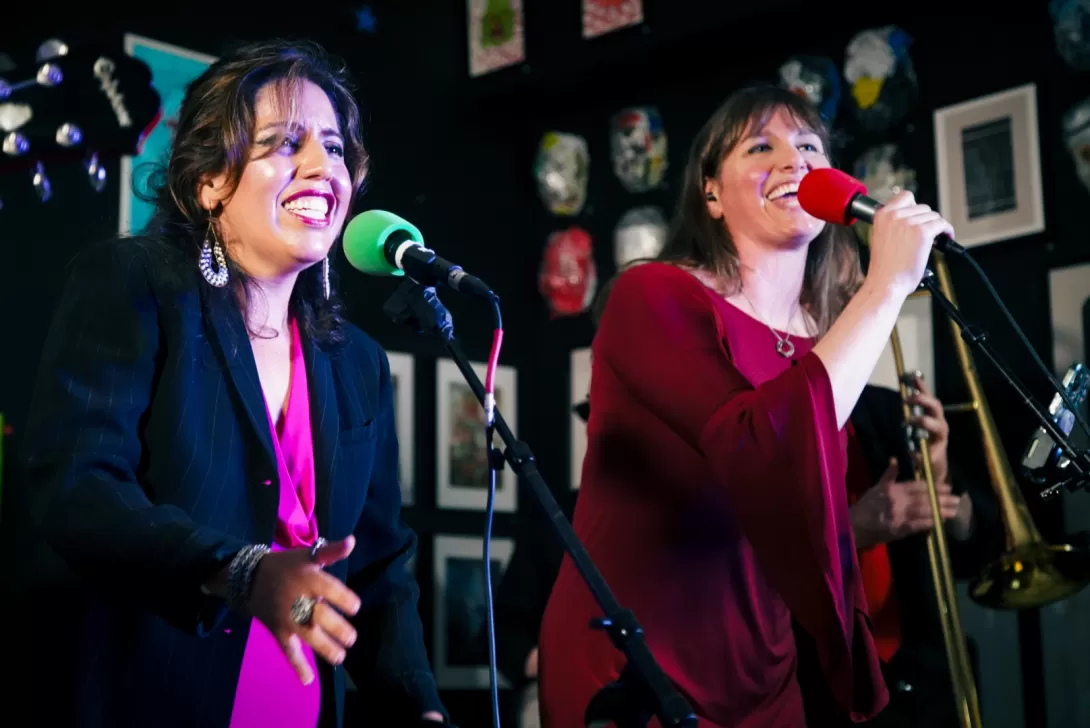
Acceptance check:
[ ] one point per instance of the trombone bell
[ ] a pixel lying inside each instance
(1031, 572)
(1031, 575)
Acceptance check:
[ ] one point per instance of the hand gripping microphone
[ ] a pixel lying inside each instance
(381, 243)
(833, 196)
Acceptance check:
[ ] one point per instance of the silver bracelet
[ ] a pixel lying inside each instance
(240, 576)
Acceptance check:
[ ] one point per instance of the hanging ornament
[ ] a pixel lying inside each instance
(637, 147)
(568, 278)
(562, 169)
(816, 79)
(640, 233)
(1071, 28)
(1076, 132)
(883, 81)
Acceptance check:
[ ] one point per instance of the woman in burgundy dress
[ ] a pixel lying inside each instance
(713, 490)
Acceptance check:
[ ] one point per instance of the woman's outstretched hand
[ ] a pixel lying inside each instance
(284, 576)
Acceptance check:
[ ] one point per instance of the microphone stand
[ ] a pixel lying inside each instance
(977, 338)
(643, 689)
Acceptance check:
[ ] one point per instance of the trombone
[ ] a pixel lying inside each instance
(957, 655)
(1030, 572)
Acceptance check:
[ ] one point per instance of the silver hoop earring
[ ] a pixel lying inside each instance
(325, 277)
(213, 249)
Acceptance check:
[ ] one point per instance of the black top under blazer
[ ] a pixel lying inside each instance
(149, 464)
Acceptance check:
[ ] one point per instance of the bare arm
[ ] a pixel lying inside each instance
(851, 348)
(900, 246)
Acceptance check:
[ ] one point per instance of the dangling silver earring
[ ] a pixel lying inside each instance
(213, 249)
(325, 277)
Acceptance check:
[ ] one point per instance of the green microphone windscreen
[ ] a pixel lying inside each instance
(365, 241)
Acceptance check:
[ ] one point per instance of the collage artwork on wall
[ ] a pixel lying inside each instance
(462, 472)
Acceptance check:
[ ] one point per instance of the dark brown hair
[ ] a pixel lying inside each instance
(697, 239)
(214, 135)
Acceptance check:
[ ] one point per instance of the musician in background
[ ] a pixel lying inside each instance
(891, 517)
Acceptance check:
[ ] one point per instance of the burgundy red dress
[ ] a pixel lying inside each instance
(713, 501)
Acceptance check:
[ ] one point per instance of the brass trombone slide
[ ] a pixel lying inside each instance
(957, 655)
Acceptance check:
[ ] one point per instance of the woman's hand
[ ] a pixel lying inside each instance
(284, 576)
(890, 510)
(901, 241)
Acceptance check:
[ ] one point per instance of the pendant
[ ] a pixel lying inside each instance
(785, 348)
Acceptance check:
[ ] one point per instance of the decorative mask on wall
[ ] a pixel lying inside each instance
(1071, 27)
(640, 233)
(562, 169)
(816, 79)
(1076, 130)
(568, 278)
(883, 81)
(637, 146)
(882, 169)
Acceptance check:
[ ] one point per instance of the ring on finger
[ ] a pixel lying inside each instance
(314, 549)
(302, 610)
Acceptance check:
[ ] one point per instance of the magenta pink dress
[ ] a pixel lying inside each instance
(269, 692)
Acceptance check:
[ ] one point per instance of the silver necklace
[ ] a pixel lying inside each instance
(784, 347)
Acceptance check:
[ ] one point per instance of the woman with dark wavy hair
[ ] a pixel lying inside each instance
(713, 494)
(211, 449)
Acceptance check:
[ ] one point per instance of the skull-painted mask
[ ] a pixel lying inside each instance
(1071, 27)
(814, 78)
(637, 145)
(1076, 130)
(882, 170)
(640, 233)
(562, 169)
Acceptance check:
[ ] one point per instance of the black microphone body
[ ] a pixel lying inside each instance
(427, 268)
(864, 208)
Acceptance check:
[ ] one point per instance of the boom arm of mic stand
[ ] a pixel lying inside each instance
(419, 307)
(977, 338)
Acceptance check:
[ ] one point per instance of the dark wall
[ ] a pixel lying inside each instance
(454, 155)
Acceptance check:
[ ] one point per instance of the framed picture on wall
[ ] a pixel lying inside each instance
(495, 35)
(914, 329)
(987, 158)
(461, 457)
(605, 16)
(460, 649)
(580, 388)
(401, 375)
(1069, 305)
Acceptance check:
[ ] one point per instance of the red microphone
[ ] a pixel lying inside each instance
(834, 196)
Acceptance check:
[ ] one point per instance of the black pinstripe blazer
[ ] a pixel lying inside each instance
(149, 463)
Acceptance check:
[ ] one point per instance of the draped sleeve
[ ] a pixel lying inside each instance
(774, 448)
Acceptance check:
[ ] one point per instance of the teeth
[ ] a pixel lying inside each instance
(312, 206)
(790, 188)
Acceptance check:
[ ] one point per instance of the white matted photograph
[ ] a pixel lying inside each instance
(580, 390)
(461, 456)
(402, 378)
(915, 330)
(1069, 304)
(988, 164)
(460, 646)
